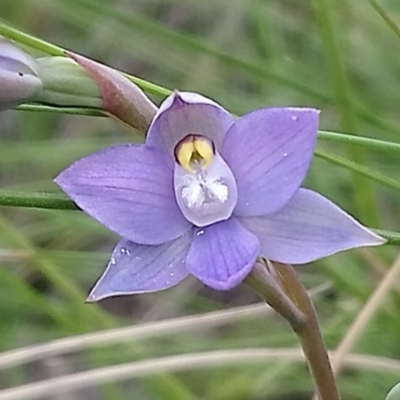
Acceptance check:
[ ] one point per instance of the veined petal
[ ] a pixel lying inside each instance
(307, 228)
(135, 268)
(269, 152)
(129, 189)
(222, 254)
(184, 113)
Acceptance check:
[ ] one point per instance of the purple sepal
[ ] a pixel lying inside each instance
(135, 268)
(129, 189)
(307, 228)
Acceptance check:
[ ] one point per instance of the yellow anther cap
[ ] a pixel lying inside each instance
(194, 152)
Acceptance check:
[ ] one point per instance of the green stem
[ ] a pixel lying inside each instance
(309, 334)
(49, 201)
(359, 169)
(30, 41)
(385, 16)
(279, 286)
(359, 141)
(263, 281)
(92, 112)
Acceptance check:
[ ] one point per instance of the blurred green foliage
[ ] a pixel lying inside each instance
(337, 55)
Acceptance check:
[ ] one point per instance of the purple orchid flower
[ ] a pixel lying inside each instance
(206, 195)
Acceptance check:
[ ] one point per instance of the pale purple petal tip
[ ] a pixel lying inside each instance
(269, 152)
(184, 113)
(137, 268)
(309, 227)
(223, 254)
(129, 189)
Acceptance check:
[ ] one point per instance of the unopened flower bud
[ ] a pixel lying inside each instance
(78, 81)
(66, 84)
(19, 77)
(121, 98)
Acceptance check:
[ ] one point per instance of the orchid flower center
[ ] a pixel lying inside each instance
(194, 152)
(205, 187)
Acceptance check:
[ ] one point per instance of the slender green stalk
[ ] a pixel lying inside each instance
(263, 281)
(30, 41)
(363, 192)
(49, 201)
(359, 141)
(279, 286)
(385, 16)
(309, 334)
(62, 110)
(359, 169)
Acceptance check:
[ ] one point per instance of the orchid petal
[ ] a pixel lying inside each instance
(206, 197)
(269, 152)
(307, 228)
(130, 190)
(185, 113)
(222, 254)
(135, 268)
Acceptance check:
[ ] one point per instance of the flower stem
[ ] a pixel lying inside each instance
(359, 169)
(266, 285)
(359, 141)
(48, 201)
(309, 334)
(279, 286)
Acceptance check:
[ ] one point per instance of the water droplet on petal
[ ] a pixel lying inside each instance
(294, 117)
(201, 232)
(171, 274)
(285, 154)
(112, 261)
(123, 251)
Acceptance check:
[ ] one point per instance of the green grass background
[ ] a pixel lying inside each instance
(340, 56)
